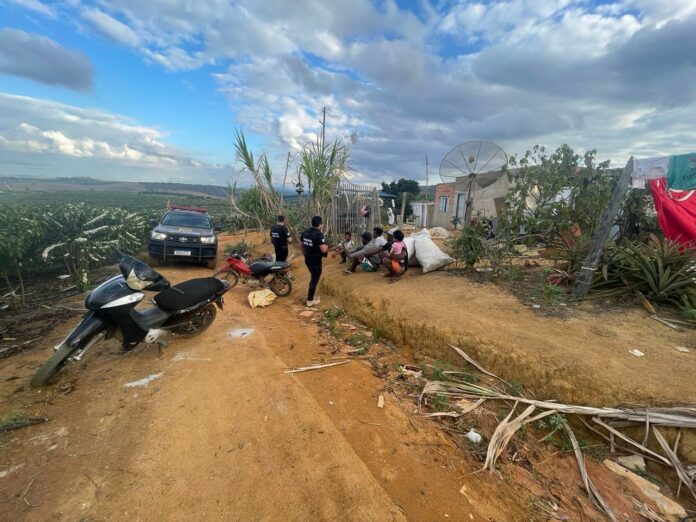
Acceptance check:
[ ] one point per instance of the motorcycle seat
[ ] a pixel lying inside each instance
(186, 294)
(260, 267)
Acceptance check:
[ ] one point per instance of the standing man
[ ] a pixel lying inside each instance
(314, 249)
(279, 238)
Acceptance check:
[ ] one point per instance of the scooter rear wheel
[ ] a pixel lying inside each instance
(228, 275)
(198, 323)
(51, 367)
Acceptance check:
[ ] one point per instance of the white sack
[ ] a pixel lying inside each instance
(430, 256)
(410, 243)
(440, 233)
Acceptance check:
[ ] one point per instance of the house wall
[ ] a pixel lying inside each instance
(444, 218)
(422, 214)
(485, 199)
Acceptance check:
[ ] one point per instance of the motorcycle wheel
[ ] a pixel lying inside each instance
(51, 367)
(198, 324)
(280, 285)
(228, 275)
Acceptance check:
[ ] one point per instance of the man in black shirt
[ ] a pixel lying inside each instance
(314, 249)
(279, 238)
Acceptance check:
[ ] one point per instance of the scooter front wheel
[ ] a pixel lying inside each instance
(228, 275)
(50, 367)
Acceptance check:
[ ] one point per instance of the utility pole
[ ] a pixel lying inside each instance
(285, 177)
(427, 197)
(323, 127)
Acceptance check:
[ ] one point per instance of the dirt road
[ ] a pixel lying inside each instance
(220, 432)
(212, 428)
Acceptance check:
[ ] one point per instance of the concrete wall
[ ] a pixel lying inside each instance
(444, 218)
(484, 199)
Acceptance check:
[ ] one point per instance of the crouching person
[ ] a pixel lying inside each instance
(396, 260)
(345, 247)
(369, 254)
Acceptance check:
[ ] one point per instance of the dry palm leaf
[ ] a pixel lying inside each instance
(684, 477)
(504, 432)
(474, 363)
(679, 417)
(595, 497)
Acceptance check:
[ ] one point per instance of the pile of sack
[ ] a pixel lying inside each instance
(422, 251)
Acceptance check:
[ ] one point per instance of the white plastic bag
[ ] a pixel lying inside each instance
(410, 243)
(429, 255)
(440, 233)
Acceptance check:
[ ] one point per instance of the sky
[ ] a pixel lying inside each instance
(155, 90)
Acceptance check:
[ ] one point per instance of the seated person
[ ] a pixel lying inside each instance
(369, 253)
(396, 260)
(344, 247)
(377, 234)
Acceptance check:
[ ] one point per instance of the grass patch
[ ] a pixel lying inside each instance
(359, 341)
(439, 402)
(240, 247)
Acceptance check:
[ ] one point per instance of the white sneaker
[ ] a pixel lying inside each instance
(310, 303)
(316, 301)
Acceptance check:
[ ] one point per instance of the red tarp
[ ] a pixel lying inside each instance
(676, 211)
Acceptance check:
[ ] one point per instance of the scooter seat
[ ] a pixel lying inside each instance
(188, 293)
(260, 267)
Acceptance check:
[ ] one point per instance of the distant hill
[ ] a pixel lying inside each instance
(13, 184)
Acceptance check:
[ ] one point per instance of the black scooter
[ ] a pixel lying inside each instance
(185, 309)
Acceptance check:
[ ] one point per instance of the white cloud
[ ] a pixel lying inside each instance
(616, 76)
(111, 28)
(49, 135)
(36, 6)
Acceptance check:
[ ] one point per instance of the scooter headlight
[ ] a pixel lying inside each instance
(208, 240)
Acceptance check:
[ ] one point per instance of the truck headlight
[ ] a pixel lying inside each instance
(158, 235)
(207, 240)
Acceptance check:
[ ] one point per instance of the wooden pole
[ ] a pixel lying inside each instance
(594, 255)
(403, 208)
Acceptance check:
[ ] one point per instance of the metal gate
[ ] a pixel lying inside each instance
(355, 210)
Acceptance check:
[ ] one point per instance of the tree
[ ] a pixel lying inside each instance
(20, 237)
(398, 188)
(551, 193)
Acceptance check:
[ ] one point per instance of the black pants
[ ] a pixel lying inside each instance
(281, 253)
(314, 267)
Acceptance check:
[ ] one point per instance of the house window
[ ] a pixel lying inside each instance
(444, 200)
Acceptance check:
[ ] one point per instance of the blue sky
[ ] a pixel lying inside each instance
(127, 89)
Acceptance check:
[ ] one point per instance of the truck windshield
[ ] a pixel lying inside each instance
(186, 220)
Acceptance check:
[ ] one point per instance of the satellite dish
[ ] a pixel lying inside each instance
(479, 161)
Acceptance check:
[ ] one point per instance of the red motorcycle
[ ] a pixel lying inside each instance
(262, 273)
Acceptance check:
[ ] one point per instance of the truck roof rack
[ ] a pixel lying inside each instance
(171, 206)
